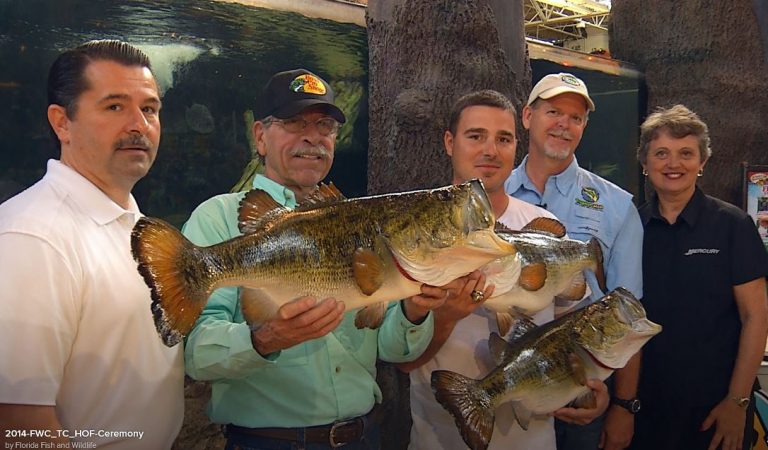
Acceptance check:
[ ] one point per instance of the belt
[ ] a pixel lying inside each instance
(336, 434)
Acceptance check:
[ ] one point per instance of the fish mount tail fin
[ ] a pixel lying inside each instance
(597, 253)
(469, 405)
(179, 291)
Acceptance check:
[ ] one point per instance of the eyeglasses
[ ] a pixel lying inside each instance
(325, 126)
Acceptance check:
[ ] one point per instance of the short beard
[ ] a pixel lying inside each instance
(560, 155)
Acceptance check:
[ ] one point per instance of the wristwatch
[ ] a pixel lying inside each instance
(741, 402)
(632, 405)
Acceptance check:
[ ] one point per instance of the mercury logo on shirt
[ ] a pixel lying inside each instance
(702, 251)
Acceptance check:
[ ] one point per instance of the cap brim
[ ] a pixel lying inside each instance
(555, 91)
(295, 108)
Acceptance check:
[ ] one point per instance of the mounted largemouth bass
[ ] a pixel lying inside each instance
(364, 251)
(546, 367)
(545, 267)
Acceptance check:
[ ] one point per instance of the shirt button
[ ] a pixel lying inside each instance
(338, 369)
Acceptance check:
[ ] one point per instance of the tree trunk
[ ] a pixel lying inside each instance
(424, 54)
(709, 56)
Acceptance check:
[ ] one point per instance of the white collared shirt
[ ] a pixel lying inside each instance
(76, 330)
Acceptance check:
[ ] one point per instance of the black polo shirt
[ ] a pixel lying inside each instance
(689, 270)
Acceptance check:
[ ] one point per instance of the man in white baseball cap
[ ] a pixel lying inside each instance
(555, 84)
(556, 116)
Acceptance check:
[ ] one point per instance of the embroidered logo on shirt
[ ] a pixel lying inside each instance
(589, 198)
(702, 251)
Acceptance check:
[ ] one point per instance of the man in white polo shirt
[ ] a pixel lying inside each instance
(81, 360)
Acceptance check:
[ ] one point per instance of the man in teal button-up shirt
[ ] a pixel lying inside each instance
(309, 366)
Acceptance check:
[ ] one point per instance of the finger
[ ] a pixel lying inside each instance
(433, 292)
(320, 310)
(716, 439)
(489, 290)
(708, 422)
(479, 283)
(296, 307)
(326, 324)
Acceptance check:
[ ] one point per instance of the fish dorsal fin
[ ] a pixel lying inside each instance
(371, 316)
(522, 414)
(501, 227)
(522, 324)
(258, 212)
(325, 194)
(546, 225)
(498, 347)
(368, 268)
(533, 276)
(575, 290)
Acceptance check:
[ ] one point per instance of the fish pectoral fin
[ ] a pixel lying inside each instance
(522, 414)
(504, 321)
(371, 316)
(368, 269)
(533, 276)
(256, 307)
(546, 225)
(576, 290)
(325, 194)
(577, 369)
(498, 347)
(258, 212)
(586, 400)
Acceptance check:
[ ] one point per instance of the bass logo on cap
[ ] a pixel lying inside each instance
(570, 79)
(308, 84)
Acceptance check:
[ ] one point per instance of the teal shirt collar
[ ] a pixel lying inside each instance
(277, 191)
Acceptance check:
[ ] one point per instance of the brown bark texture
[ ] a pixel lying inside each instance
(709, 56)
(423, 55)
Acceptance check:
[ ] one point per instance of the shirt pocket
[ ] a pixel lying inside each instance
(588, 224)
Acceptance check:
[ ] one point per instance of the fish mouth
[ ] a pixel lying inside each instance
(478, 212)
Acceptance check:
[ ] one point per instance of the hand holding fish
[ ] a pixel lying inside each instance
(728, 419)
(295, 322)
(583, 416)
(417, 307)
(460, 302)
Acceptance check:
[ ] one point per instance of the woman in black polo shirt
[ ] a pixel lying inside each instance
(704, 269)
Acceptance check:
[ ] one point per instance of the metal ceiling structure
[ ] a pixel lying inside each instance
(562, 20)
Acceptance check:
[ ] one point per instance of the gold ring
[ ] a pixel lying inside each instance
(477, 296)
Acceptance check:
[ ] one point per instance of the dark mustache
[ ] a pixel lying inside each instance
(134, 141)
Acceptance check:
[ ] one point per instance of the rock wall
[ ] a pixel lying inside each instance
(709, 56)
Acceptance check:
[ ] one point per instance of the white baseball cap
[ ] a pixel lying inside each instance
(560, 83)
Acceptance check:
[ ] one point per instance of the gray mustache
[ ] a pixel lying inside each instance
(319, 151)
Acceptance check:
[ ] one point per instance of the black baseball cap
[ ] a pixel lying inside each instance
(288, 93)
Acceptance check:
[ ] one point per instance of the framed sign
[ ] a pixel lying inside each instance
(756, 197)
